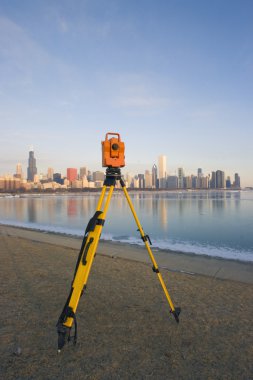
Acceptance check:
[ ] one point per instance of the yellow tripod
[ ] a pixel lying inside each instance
(88, 251)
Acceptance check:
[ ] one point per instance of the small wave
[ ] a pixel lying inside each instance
(45, 228)
(187, 247)
(163, 244)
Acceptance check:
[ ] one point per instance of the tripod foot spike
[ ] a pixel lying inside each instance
(176, 313)
(62, 331)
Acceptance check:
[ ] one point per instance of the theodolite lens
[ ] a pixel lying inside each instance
(115, 147)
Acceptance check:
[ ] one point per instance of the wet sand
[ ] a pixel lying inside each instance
(125, 330)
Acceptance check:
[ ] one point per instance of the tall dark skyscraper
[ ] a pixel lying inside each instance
(220, 179)
(237, 182)
(200, 172)
(141, 178)
(31, 170)
(154, 177)
(213, 181)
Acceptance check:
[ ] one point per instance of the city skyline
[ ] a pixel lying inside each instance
(156, 178)
(173, 78)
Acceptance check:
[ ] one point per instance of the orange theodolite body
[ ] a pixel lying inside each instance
(113, 151)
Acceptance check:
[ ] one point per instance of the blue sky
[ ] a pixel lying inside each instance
(172, 77)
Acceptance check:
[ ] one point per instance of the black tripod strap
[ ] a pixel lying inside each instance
(90, 227)
(80, 255)
(94, 221)
(84, 262)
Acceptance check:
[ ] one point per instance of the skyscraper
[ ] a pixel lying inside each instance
(154, 177)
(98, 176)
(57, 178)
(237, 182)
(228, 183)
(162, 171)
(148, 179)
(162, 166)
(19, 173)
(180, 178)
(50, 174)
(32, 169)
(220, 179)
(213, 181)
(129, 179)
(83, 172)
(141, 179)
(71, 174)
(200, 172)
(172, 182)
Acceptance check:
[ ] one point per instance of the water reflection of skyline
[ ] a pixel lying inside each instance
(206, 216)
(151, 205)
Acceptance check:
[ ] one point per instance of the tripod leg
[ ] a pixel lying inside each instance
(146, 240)
(83, 267)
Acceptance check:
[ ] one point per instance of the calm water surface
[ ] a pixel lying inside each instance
(212, 223)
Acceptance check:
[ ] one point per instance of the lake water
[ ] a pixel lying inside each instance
(209, 222)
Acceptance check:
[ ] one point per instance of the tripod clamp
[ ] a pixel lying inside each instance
(112, 176)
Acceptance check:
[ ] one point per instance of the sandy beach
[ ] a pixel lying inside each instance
(125, 330)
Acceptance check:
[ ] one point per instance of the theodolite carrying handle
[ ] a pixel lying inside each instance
(113, 134)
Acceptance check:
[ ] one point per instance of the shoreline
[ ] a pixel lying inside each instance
(209, 252)
(174, 261)
(98, 190)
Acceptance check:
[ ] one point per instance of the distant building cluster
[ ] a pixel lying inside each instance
(215, 180)
(156, 178)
